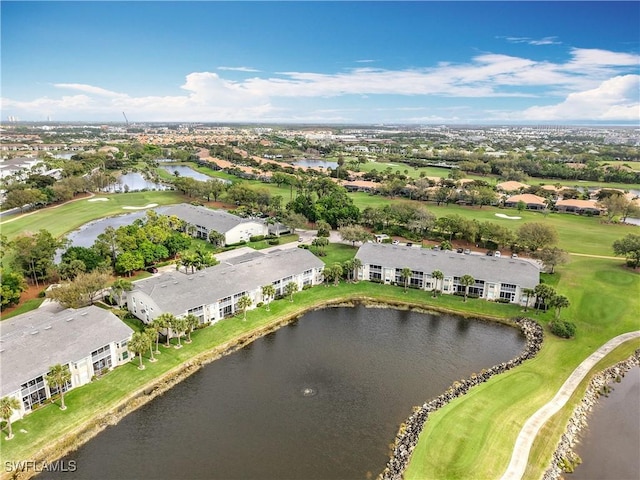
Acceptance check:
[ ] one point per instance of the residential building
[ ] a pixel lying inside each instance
(89, 340)
(532, 202)
(205, 220)
(212, 294)
(495, 278)
(580, 207)
(511, 186)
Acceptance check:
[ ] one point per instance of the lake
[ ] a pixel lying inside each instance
(319, 399)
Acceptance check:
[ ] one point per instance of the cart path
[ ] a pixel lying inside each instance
(529, 432)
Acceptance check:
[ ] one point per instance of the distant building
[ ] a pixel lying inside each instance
(495, 278)
(89, 340)
(532, 202)
(212, 294)
(511, 186)
(580, 207)
(205, 220)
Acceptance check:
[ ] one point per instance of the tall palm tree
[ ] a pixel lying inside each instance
(157, 324)
(152, 334)
(139, 343)
(405, 275)
(545, 293)
(59, 375)
(7, 406)
(291, 288)
(179, 325)
(244, 302)
(558, 302)
(530, 293)
(192, 324)
(119, 287)
(268, 292)
(357, 265)
(438, 275)
(467, 281)
(166, 321)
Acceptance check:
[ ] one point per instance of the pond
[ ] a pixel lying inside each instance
(134, 181)
(185, 171)
(316, 163)
(319, 399)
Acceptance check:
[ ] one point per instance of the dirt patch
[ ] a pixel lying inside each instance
(30, 293)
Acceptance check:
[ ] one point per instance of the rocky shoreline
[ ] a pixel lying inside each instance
(565, 458)
(409, 431)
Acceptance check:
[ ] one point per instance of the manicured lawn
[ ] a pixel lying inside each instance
(24, 308)
(63, 219)
(473, 436)
(338, 253)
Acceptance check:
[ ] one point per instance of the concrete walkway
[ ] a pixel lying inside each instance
(529, 432)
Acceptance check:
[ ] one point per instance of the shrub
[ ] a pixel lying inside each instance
(306, 287)
(503, 300)
(274, 241)
(563, 329)
(259, 304)
(386, 240)
(256, 238)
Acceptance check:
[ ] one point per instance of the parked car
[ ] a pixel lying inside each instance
(409, 244)
(514, 255)
(490, 253)
(467, 251)
(459, 250)
(395, 242)
(152, 270)
(496, 254)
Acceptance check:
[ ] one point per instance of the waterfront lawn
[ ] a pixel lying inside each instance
(65, 218)
(474, 435)
(121, 386)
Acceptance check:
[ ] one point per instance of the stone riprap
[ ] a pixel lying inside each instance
(407, 436)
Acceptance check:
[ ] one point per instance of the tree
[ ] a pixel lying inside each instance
(438, 275)
(192, 324)
(139, 343)
(166, 321)
(216, 238)
(552, 256)
(467, 281)
(151, 334)
(558, 302)
(179, 325)
(323, 228)
(34, 253)
(244, 302)
(320, 243)
(268, 292)
(157, 324)
(535, 235)
(81, 291)
(356, 266)
(405, 274)
(617, 204)
(354, 233)
(530, 293)
(128, 262)
(119, 287)
(291, 288)
(544, 293)
(58, 376)
(629, 246)
(7, 406)
(12, 285)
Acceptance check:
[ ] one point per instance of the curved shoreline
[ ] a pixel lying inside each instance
(74, 439)
(565, 454)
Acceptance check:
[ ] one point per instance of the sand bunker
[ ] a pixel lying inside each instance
(151, 205)
(101, 199)
(502, 215)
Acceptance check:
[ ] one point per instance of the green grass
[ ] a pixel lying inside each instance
(338, 253)
(65, 218)
(24, 308)
(473, 436)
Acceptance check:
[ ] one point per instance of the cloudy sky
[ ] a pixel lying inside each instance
(322, 62)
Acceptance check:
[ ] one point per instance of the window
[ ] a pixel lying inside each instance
(33, 392)
(101, 359)
(508, 291)
(375, 272)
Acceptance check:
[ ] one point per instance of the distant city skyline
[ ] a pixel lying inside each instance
(322, 62)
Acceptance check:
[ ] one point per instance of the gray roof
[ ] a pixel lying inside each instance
(177, 292)
(490, 269)
(32, 342)
(218, 220)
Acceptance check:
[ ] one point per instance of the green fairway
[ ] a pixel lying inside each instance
(473, 436)
(65, 218)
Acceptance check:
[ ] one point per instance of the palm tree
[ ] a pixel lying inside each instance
(291, 288)
(347, 268)
(467, 281)
(152, 334)
(244, 302)
(558, 302)
(438, 275)
(157, 324)
(545, 293)
(119, 287)
(166, 321)
(192, 324)
(7, 406)
(405, 275)
(59, 375)
(357, 265)
(268, 292)
(179, 325)
(530, 293)
(139, 343)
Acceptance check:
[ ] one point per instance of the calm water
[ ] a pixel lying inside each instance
(246, 416)
(311, 162)
(134, 181)
(609, 448)
(185, 171)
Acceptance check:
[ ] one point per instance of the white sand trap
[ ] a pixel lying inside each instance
(102, 199)
(151, 205)
(502, 215)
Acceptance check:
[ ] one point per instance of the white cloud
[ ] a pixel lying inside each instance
(614, 99)
(239, 69)
(591, 85)
(533, 41)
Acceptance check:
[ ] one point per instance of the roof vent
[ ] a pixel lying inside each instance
(163, 286)
(69, 319)
(34, 332)
(48, 327)
(84, 314)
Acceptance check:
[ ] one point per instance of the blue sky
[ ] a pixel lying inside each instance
(322, 62)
